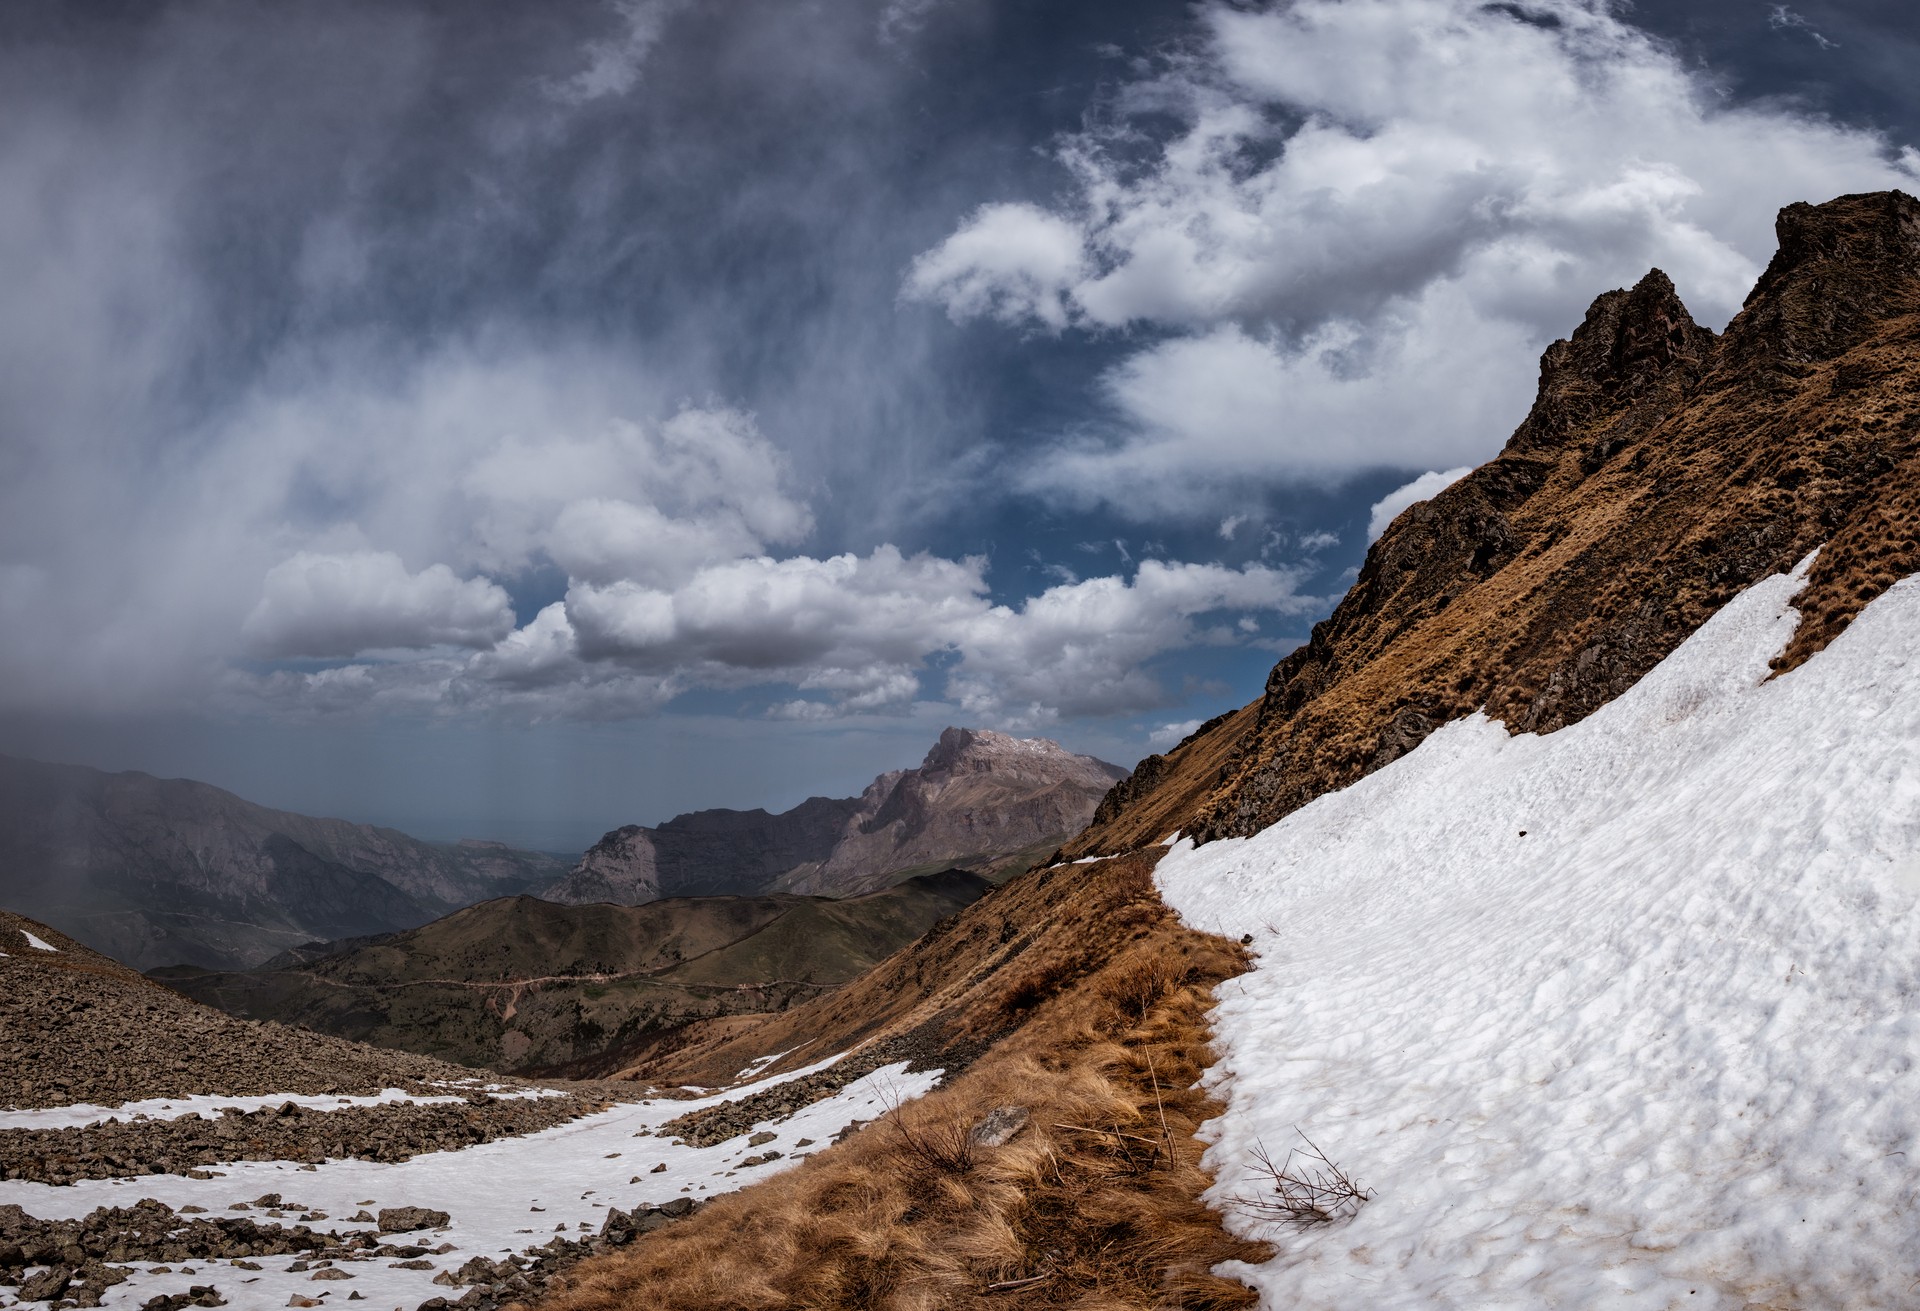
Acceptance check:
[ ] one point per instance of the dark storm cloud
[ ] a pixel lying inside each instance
(367, 311)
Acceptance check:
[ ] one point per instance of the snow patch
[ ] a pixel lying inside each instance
(509, 1195)
(38, 943)
(1623, 1016)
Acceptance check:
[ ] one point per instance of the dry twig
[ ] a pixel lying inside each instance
(1308, 1189)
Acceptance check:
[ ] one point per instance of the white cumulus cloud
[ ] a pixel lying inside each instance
(341, 605)
(1372, 217)
(1424, 488)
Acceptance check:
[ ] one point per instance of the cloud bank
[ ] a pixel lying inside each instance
(1372, 216)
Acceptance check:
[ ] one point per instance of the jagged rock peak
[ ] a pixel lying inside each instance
(1840, 268)
(1629, 342)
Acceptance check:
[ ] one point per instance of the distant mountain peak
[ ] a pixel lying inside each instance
(977, 796)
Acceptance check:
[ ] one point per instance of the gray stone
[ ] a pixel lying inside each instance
(1000, 1126)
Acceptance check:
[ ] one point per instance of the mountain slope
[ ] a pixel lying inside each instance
(978, 798)
(1661, 470)
(154, 871)
(523, 984)
(1437, 997)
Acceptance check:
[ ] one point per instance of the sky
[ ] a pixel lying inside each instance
(515, 421)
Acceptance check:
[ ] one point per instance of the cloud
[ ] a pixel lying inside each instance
(1781, 18)
(614, 63)
(1424, 488)
(342, 605)
(1009, 262)
(873, 634)
(1085, 648)
(1373, 215)
(1171, 735)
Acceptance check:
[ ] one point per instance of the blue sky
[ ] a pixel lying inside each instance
(515, 421)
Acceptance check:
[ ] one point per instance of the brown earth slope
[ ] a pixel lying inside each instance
(1661, 470)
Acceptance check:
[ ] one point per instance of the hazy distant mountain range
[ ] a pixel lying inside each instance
(980, 800)
(157, 871)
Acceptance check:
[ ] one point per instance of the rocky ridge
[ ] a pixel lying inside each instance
(1661, 470)
(977, 799)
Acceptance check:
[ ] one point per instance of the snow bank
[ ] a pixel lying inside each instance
(509, 1195)
(1659, 1051)
(38, 943)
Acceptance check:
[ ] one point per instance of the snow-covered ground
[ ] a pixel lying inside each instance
(1663, 1050)
(83, 1114)
(505, 1196)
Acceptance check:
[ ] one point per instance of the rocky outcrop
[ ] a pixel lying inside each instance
(155, 871)
(1660, 471)
(978, 797)
(703, 853)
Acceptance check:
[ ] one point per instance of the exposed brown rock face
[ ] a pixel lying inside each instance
(978, 797)
(1660, 471)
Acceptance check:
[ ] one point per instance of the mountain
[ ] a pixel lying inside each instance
(979, 798)
(155, 871)
(1662, 470)
(1568, 872)
(524, 984)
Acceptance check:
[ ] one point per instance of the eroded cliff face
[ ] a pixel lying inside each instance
(1660, 471)
(977, 798)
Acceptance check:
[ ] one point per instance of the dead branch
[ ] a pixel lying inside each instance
(1307, 1189)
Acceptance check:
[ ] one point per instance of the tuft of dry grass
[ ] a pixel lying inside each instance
(1094, 1205)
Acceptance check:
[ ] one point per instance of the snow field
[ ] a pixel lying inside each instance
(1660, 1051)
(509, 1195)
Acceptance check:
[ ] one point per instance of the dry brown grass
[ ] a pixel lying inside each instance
(1093, 1205)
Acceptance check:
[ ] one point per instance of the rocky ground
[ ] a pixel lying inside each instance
(129, 1176)
(116, 1149)
(74, 1262)
(77, 1027)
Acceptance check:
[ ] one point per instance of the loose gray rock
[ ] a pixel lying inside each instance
(406, 1219)
(999, 1126)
